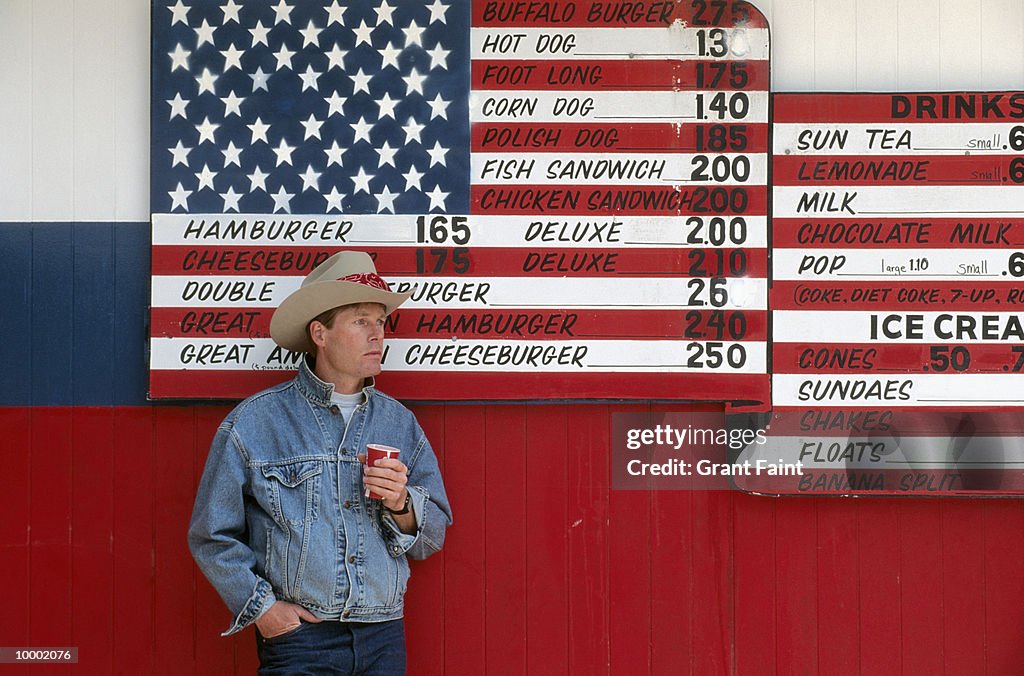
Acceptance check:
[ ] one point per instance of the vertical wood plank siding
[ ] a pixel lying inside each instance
(547, 570)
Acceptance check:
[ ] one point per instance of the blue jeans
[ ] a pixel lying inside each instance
(349, 648)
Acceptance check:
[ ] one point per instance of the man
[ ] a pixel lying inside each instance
(281, 525)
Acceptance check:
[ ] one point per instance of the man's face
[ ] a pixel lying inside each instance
(350, 349)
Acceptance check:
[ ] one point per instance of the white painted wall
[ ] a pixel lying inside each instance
(74, 83)
(896, 45)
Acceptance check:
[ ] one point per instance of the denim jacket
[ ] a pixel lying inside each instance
(280, 512)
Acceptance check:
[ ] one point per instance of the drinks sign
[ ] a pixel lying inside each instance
(898, 267)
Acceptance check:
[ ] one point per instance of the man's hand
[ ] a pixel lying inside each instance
(281, 618)
(388, 479)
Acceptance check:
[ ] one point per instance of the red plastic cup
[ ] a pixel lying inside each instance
(375, 452)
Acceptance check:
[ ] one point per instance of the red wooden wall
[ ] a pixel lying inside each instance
(546, 570)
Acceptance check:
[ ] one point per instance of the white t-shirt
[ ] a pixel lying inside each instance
(347, 403)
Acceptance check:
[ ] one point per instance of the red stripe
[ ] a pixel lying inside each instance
(728, 325)
(133, 474)
(894, 170)
(900, 358)
(465, 606)
(607, 138)
(16, 528)
(485, 261)
(613, 199)
(587, 495)
(240, 259)
(504, 549)
(547, 564)
(894, 294)
(888, 233)
(636, 75)
(599, 14)
(92, 516)
(854, 108)
(424, 386)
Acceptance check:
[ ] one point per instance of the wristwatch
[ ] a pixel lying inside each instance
(405, 505)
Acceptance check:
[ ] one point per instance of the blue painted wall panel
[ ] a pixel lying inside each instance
(131, 312)
(15, 313)
(74, 322)
(92, 360)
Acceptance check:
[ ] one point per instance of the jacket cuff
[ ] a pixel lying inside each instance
(398, 542)
(259, 602)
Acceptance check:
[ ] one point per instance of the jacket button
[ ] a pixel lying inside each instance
(352, 559)
(346, 614)
(334, 409)
(347, 504)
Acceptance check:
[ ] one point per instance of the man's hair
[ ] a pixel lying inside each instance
(327, 318)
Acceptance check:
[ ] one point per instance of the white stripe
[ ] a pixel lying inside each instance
(798, 326)
(899, 201)
(595, 44)
(937, 391)
(967, 266)
(606, 356)
(489, 231)
(629, 168)
(892, 139)
(642, 293)
(606, 107)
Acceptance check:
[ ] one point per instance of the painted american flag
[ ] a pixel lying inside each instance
(309, 107)
(546, 178)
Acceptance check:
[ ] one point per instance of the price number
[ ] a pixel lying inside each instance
(720, 168)
(717, 324)
(442, 230)
(1017, 170)
(711, 73)
(440, 261)
(713, 289)
(1018, 366)
(717, 200)
(1015, 266)
(1017, 138)
(711, 12)
(715, 263)
(944, 358)
(716, 231)
(720, 138)
(714, 355)
(723, 104)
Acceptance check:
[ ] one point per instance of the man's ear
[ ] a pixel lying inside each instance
(316, 333)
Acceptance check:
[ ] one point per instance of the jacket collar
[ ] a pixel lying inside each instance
(318, 391)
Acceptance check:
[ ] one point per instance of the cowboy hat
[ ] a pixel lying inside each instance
(346, 278)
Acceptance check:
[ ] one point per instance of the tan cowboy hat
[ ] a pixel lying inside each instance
(346, 278)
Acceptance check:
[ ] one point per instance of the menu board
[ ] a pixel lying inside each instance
(898, 250)
(587, 217)
(897, 261)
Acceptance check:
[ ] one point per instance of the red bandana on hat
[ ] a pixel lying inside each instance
(367, 278)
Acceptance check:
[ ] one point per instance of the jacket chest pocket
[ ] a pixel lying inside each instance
(294, 491)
